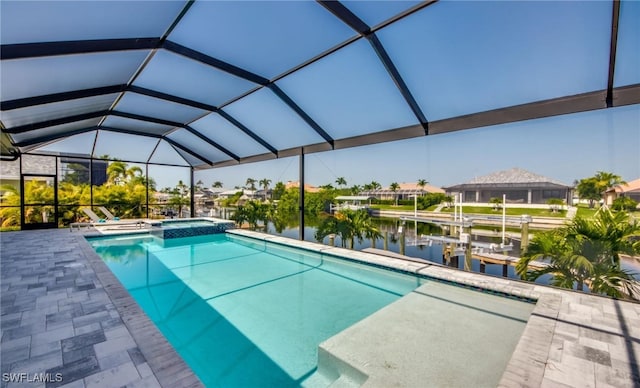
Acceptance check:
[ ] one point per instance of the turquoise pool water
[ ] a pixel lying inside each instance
(245, 313)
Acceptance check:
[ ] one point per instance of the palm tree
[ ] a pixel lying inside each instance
(265, 185)
(607, 179)
(422, 183)
(355, 189)
(587, 253)
(217, 185)
(371, 233)
(253, 212)
(593, 188)
(116, 172)
(251, 184)
(375, 185)
(179, 197)
(340, 181)
(395, 187)
(349, 225)
(119, 173)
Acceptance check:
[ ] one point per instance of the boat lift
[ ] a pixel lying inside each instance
(459, 242)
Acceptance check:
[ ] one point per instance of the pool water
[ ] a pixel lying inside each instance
(243, 312)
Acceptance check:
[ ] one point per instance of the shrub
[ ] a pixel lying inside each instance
(555, 204)
(624, 203)
(431, 199)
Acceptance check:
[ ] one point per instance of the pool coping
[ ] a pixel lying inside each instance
(167, 365)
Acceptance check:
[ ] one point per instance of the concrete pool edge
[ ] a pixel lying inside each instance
(166, 364)
(571, 339)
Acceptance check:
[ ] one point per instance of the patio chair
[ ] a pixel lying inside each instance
(97, 221)
(94, 217)
(107, 213)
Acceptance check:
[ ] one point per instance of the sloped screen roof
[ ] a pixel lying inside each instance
(216, 83)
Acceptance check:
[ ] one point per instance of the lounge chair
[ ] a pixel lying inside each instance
(97, 221)
(107, 213)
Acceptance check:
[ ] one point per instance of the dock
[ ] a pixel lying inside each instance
(496, 258)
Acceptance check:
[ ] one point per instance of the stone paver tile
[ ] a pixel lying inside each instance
(38, 364)
(22, 331)
(77, 354)
(144, 370)
(592, 343)
(625, 351)
(44, 348)
(75, 384)
(117, 332)
(114, 360)
(51, 298)
(16, 343)
(572, 371)
(84, 286)
(567, 330)
(75, 370)
(548, 383)
(88, 328)
(147, 382)
(58, 318)
(625, 365)
(57, 334)
(587, 353)
(94, 306)
(115, 377)
(615, 378)
(10, 323)
(82, 340)
(136, 356)
(91, 318)
(106, 348)
(556, 349)
(22, 384)
(74, 308)
(40, 313)
(19, 353)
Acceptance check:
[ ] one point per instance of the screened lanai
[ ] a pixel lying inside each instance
(196, 85)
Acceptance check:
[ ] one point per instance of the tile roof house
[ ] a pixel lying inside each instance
(307, 187)
(520, 186)
(630, 189)
(406, 191)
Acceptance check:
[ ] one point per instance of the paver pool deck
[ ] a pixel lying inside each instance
(65, 315)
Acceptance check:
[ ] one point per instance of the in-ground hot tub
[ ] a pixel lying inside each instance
(189, 227)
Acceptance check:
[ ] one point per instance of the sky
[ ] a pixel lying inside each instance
(456, 57)
(564, 148)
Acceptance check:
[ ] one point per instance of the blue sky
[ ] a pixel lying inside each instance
(456, 57)
(564, 148)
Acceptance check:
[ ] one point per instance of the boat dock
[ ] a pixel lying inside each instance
(496, 258)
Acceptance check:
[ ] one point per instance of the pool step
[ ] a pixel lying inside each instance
(340, 373)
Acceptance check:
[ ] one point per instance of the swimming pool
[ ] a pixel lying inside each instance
(243, 312)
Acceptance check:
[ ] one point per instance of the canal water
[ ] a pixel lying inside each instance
(434, 252)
